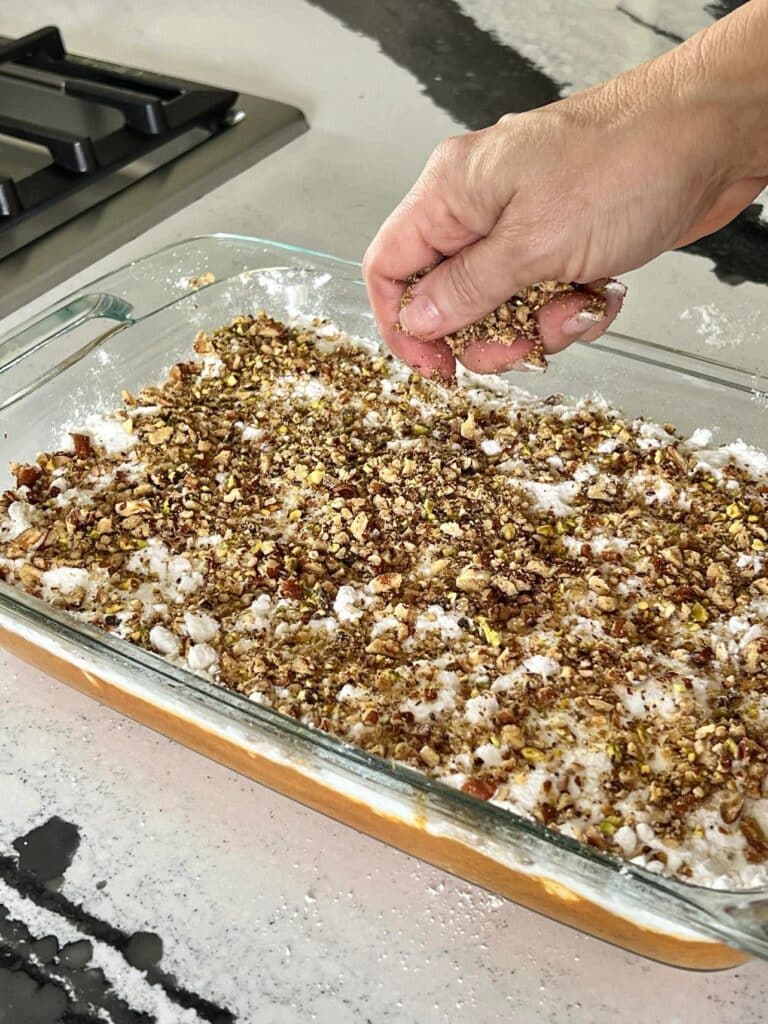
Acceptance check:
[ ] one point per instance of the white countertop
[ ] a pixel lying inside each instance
(266, 909)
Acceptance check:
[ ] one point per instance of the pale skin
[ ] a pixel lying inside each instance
(581, 190)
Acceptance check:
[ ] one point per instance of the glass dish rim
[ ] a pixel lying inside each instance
(505, 825)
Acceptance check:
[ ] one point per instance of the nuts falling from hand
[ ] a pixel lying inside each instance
(513, 321)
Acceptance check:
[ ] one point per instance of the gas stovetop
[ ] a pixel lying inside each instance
(93, 153)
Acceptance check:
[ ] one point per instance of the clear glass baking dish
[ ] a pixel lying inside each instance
(125, 330)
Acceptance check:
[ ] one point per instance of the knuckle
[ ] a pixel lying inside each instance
(508, 120)
(509, 234)
(449, 151)
(453, 226)
(373, 259)
(538, 239)
(479, 168)
(550, 250)
(367, 264)
(575, 263)
(464, 289)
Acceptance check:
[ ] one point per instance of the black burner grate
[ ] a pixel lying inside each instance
(74, 131)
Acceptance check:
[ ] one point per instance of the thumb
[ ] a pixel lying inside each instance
(466, 287)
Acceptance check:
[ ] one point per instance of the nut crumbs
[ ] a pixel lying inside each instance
(513, 321)
(569, 621)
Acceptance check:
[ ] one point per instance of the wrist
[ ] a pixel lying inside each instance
(723, 74)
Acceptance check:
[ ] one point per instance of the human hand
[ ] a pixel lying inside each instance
(582, 190)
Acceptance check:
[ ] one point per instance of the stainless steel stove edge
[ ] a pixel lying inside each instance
(266, 125)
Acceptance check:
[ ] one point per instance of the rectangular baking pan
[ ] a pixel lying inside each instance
(125, 331)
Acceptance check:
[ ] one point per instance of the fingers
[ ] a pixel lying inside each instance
(449, 211)
(565, 320)
(481, 253)
(561, 321)
(417, 233)
(469, 285)
(429, 358)
(493, 357)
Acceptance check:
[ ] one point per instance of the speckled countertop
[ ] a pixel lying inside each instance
(202, 896)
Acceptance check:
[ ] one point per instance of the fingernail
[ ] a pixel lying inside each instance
(616, 288)
(579, 323)
(420, 316)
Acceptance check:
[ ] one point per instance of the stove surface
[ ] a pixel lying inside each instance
(92, 154)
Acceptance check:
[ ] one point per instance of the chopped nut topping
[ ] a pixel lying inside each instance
(385, 582)
(547, 604)
(197, 281)
(513, 321)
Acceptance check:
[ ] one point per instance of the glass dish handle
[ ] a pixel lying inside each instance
(741, 919)
(25, 362)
